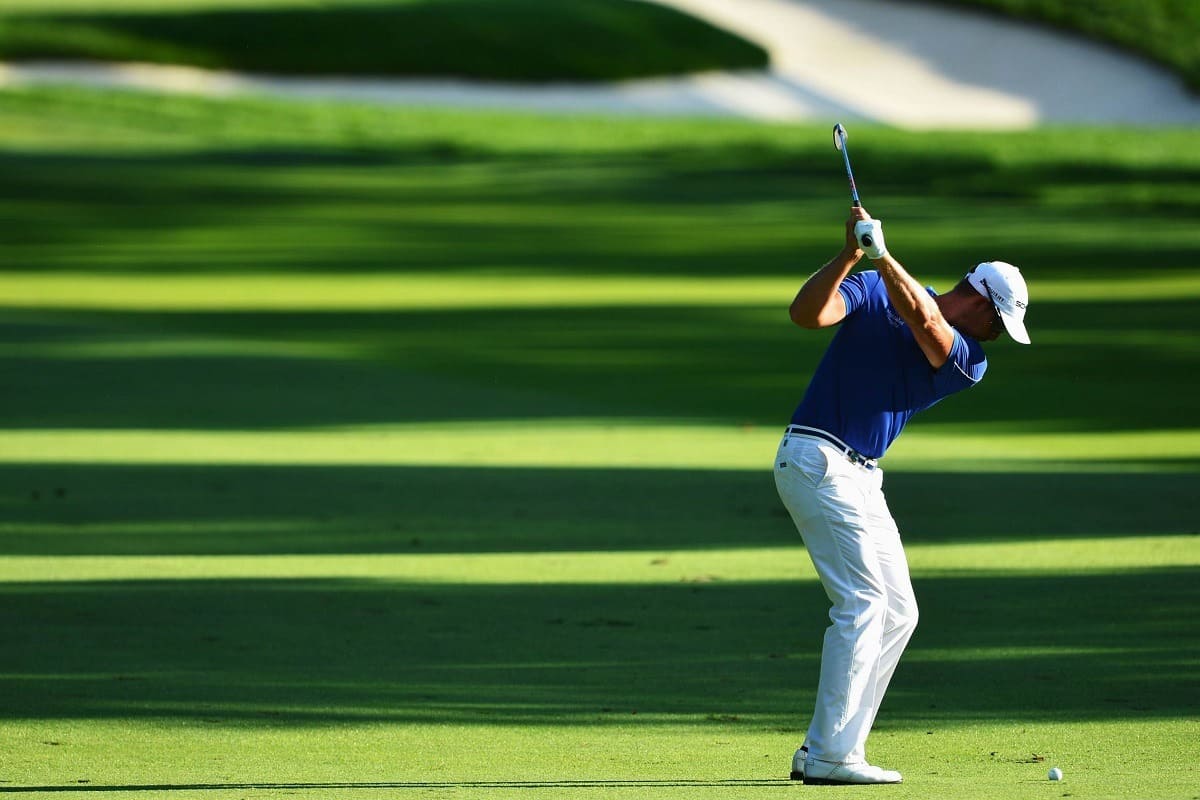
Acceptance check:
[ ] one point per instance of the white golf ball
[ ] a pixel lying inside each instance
(1055, 774)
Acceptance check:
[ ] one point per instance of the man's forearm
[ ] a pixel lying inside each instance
(915, 306)
(817, 303)
(918, 309)
(908, 296)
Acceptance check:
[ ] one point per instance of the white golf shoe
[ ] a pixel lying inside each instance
(798, 764)
(833, 773)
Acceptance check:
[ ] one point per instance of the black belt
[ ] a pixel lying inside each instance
(849, 452)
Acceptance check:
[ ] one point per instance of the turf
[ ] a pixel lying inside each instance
(504, 40)
(356, 453)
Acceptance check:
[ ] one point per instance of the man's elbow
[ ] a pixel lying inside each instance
(935, 338)
(813, 320)
(804, 318)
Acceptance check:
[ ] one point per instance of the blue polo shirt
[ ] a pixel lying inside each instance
(874, 377)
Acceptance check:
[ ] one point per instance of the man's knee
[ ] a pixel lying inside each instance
(862, 610)
(903, 617)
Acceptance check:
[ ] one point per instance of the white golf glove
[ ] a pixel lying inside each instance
(869, 233)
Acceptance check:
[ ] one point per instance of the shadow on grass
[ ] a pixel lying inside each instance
(439, 207)
(270, 652)
(260, 370)
(424, 786)
(267, 652)
(212, 510)
(445, 204)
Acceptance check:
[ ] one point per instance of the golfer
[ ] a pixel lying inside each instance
(900, 349)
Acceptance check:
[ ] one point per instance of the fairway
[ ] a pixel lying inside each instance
(361, 453)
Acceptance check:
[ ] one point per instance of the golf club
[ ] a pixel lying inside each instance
(839, 141)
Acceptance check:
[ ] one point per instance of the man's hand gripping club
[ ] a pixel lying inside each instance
(869, 233)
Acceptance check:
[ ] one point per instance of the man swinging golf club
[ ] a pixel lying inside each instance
(900, 349)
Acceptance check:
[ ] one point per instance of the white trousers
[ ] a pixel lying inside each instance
(840, 511)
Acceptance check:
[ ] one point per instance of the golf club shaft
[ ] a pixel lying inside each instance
(850, 175)
(839, 141)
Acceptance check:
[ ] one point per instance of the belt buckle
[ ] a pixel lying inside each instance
(858, 458)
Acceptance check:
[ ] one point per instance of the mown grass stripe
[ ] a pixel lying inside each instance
(428, 291)
(707, 566)
(581, 444)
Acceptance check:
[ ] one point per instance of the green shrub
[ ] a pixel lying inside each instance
(510, 40)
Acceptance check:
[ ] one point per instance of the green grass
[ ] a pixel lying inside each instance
(351, 452)
(1165, 31)
(510, 40)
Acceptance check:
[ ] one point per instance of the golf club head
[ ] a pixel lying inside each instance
(839, 136)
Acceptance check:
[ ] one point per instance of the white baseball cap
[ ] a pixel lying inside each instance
(1002, 283)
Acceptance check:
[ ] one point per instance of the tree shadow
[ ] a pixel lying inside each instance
(273, 510)
(732, 365)
(694, 211)
(423, 786)
(726, 208)
(316, 651)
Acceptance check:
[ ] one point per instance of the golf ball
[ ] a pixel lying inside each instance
(1055, 774)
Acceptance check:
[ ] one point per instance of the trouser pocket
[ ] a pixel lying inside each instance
(803, 459)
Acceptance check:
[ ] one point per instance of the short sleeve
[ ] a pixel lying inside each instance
(964, 368)
(856, 288)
